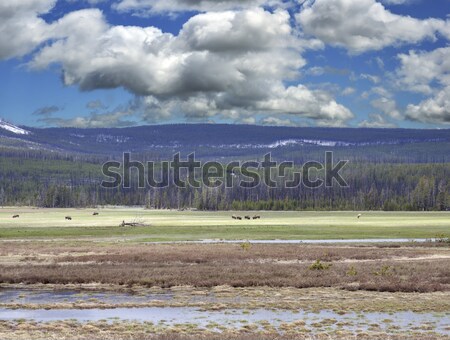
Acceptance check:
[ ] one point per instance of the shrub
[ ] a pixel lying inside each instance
(352, 271)
(319, 265)
(384, 271)
(246, 246)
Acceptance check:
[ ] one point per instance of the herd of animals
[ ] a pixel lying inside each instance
(256, 217)
(234, 217)
(69, 218)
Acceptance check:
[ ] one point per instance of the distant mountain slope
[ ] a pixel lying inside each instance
(220, 140)
(4, 125)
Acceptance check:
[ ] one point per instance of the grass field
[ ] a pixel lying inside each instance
(42, 252)
(163, 225)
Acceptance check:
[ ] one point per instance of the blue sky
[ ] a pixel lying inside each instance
(101, 63)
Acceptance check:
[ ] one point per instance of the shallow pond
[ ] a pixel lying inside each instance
(368, 240)
(48, 297)
(29, 296)
(235, 318)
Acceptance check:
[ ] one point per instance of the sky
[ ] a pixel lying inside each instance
(117, 63)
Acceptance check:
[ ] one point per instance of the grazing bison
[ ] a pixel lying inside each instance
(234, 217)
(16, 216)
(68, 218)
(256, 217)
(95, 214)
(239, 217)
(359, 215)
(248, 218)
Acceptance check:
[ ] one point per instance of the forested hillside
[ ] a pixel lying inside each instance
(219, 141)
(65, 181)
(389, 169)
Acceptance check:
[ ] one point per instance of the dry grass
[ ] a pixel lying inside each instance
(149, 331)
(403, 269)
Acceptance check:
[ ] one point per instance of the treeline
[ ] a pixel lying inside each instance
(76, 183)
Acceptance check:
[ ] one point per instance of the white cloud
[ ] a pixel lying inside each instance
(364, 25)
(376, 121)
(348, 91)
(307, 103)
(398, 2)
(149, 62)
(381, 91)
(251, 30)
(21, 28)
(373, 78)
(226, 63)
(148, 7)
(427, 73)
(388, 106)
(90, 2)
(248, 120)
(276, 121)
(315, 71)
(380, 63)
(419, 69)
(435, 109)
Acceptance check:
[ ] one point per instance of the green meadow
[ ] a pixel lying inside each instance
(165, 225)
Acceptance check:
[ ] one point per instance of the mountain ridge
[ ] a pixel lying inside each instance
(215, 139)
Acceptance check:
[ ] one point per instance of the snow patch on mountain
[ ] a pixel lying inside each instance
(12, 128)
(103, 138)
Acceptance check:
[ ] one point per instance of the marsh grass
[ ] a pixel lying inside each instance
(148, 331)
(381, 269)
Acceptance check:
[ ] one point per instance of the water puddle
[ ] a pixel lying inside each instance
(236, 318)
(28, 296)
(367, 240)
(33, 297)
(325, 320)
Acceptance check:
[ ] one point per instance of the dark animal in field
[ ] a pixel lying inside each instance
(16, 216)
(234, 217)
(68, 218)
(247, 217)
(95, 214)
(256, 217)
(239, 217)
(359, 215)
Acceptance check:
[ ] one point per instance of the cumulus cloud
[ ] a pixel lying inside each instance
(307, 103)
(248, 120)
(388, 106)
(435, 109)
(276, 121)
(148, 7)
(147, 61)
(427, 73)
(418, 70)
(21, 28)
(226, 63)
(364, 25)
(376, 121)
